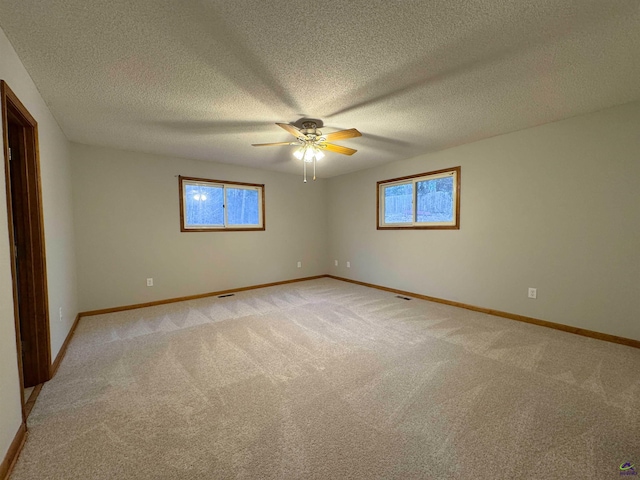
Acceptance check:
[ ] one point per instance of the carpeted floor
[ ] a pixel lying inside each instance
(328, 380)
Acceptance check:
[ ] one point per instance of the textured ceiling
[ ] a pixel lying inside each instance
(205, 79)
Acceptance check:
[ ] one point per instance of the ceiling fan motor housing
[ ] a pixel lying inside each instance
(309, 129)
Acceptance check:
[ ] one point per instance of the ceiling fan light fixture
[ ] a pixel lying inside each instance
(308, 153)
(311, 143)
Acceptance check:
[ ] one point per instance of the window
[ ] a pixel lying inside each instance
(216, 205)
(426, 200)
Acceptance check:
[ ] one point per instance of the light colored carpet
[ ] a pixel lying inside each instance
(325, 379)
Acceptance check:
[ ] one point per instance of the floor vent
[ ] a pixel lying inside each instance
(404, 298)
(227, 295)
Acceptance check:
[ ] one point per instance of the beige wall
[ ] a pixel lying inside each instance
(56, 193)
(556, 207)
(127, 229)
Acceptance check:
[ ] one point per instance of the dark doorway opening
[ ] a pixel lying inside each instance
(26, 237)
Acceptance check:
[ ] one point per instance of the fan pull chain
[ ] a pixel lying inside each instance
(304, 169)
(314, 168)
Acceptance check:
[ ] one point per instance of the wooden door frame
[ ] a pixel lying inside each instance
(40, 356)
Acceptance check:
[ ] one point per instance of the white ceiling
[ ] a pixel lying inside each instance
(205, 79)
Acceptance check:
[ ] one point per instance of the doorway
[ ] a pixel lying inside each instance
(26, 241)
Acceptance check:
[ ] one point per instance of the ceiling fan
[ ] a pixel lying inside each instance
(311, 141)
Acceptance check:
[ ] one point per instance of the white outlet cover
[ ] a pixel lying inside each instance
(299, 264)
(149, 282)
(336, 262)
(348, 264)
(533, 292)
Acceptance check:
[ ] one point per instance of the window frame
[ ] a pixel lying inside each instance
(413, 179)
(224, 184)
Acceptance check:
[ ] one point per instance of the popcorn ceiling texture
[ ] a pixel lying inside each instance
(205, 79)
(325, 379)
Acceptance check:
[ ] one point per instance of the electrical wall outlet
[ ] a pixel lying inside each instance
(60, 312)
(335, 262)
(533, 292)
(348, 264)
(299, 264)
(149, 282)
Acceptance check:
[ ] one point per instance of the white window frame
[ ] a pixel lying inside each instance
(224, 184)
(414, 180)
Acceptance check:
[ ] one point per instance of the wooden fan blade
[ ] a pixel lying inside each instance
(292, 130)
(337, 148)
(352, 132)
(272, 144)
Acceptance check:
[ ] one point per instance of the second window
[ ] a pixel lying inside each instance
(426, 200)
